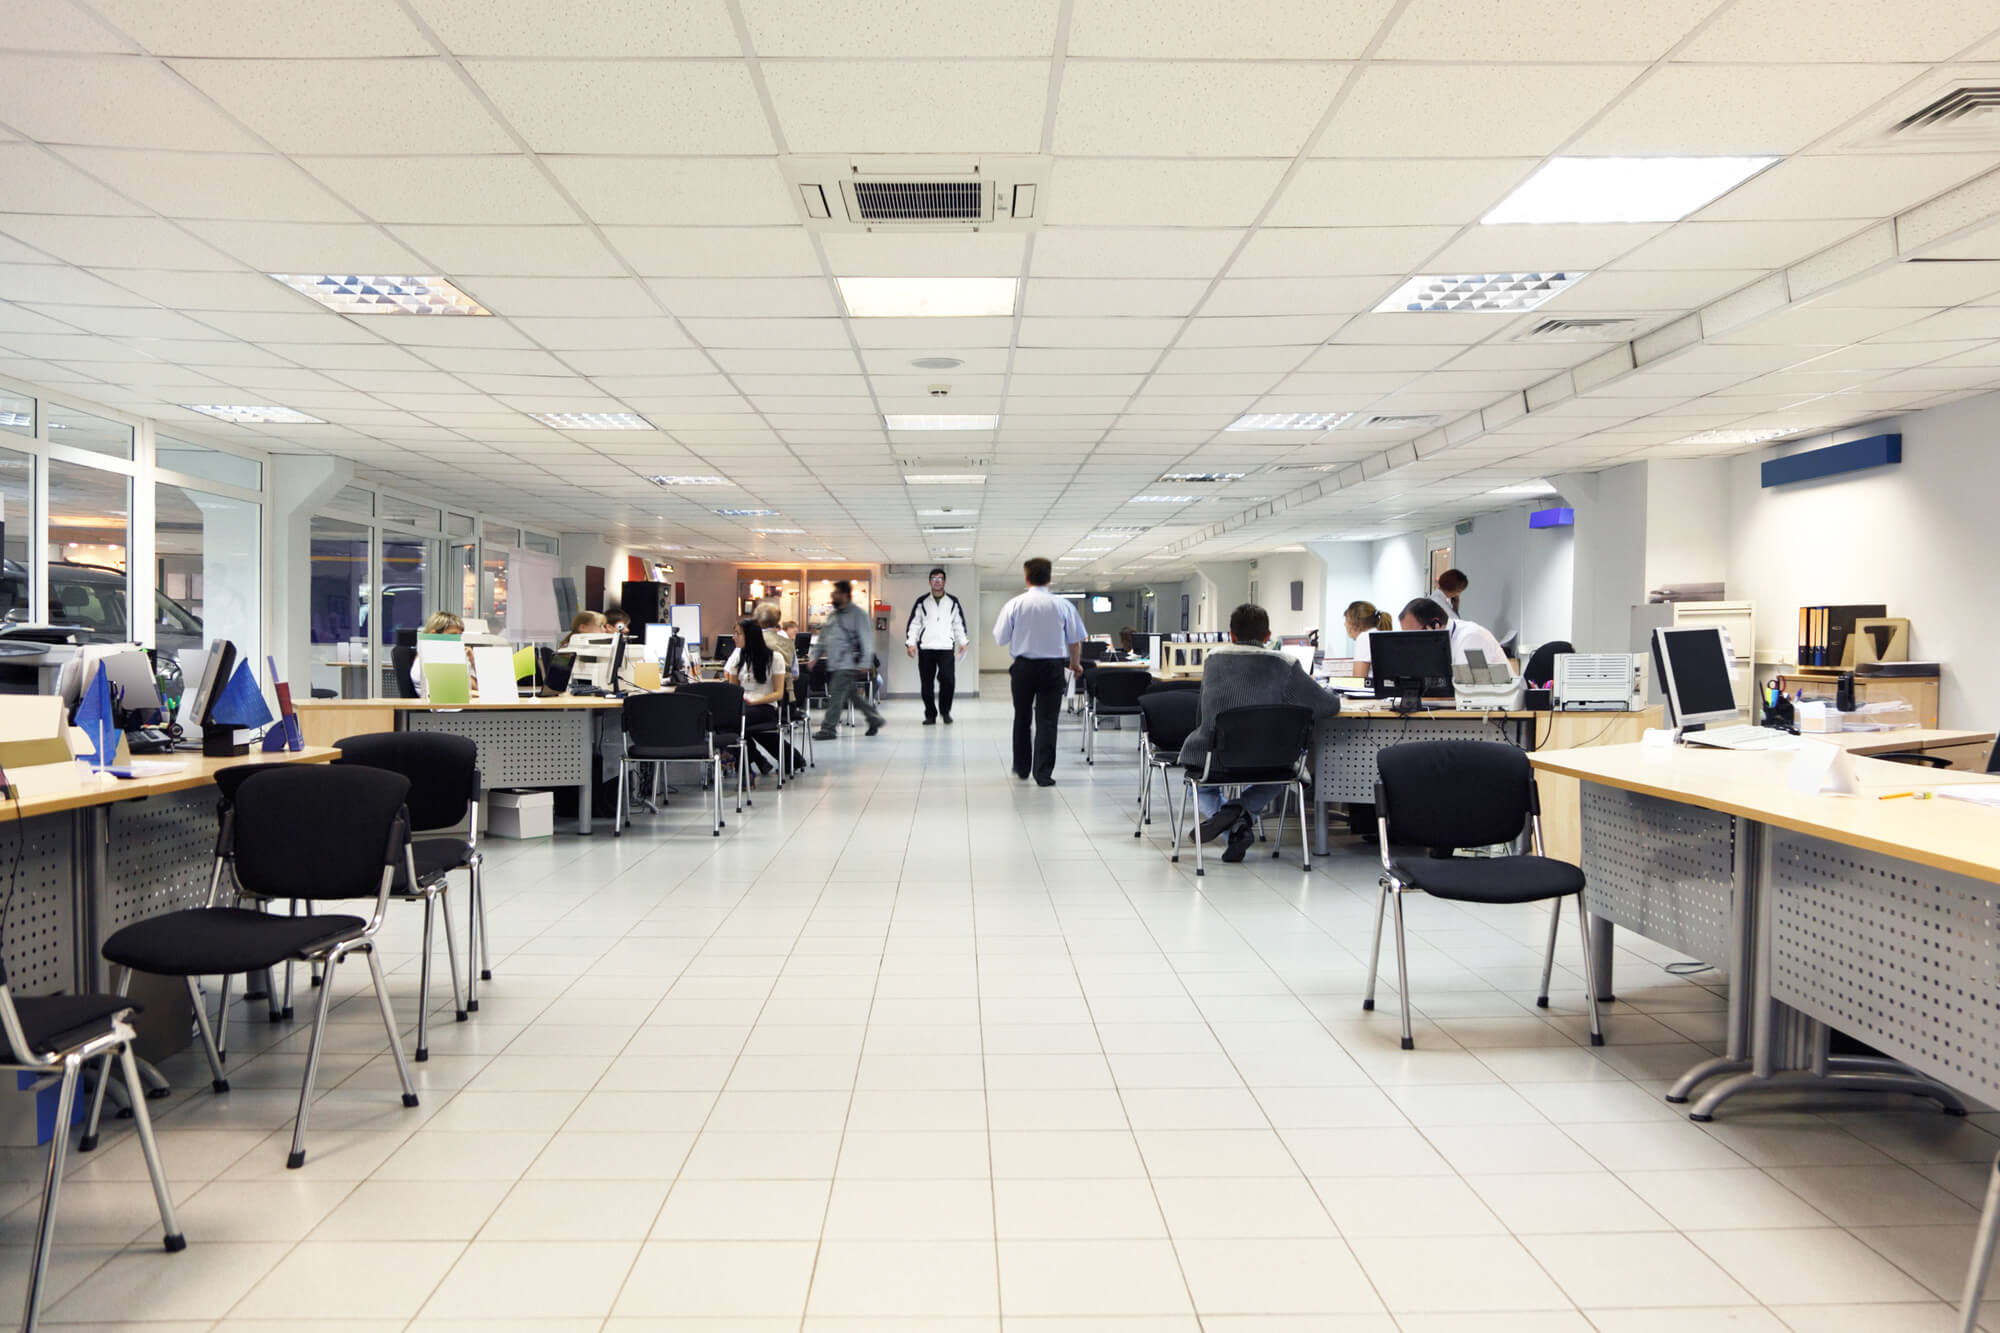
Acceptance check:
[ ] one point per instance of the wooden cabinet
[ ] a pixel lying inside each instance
(1919, 692)
(1562, 796)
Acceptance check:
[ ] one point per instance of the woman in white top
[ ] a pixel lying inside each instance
(441, 622)
(1362, 620)
(761, 673)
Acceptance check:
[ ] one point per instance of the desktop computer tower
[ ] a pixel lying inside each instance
(645, 603)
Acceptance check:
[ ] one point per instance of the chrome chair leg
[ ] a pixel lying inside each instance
(1375, 946)
(297, 1158)
(424, 984)
(1191, 804)
(389, 1024)
(142, 1120)
(138, 1093)
(222, 1021)
(1589, 973)
(1982, 1254)
(1403, 976)
(451, 954)
(1305, 846)
(45, 1228)
(208, 1048)
(1549, 958)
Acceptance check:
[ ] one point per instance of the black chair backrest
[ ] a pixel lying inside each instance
(1261, 736)
(666, 721)
(1181, 684)
(1454, 793)
(1120, 687)
(1542, 666)
(1170, 717)
(401, 659)
(443, 771)
(318, 830)
(725, 702)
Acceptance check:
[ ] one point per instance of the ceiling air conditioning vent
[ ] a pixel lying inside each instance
(1580, 330)
(1003, 192)
(1970, 113)
(921, 201)
(1388, 422)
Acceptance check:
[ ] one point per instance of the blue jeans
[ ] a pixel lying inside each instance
(1256, 799)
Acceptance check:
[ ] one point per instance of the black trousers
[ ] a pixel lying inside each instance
(1038, 692)
(937, 668)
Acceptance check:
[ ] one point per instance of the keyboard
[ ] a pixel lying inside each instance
(1743, 737)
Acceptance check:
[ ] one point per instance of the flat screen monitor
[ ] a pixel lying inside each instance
(1142, 643)
(215, 674)
(1303, 654)
(135, 690)
(1693, 666)
(725, 644)
(657, 638)
(1100, 606)
(687, 619)
(1410, 663)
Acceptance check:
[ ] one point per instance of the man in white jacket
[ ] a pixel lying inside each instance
(936, 637)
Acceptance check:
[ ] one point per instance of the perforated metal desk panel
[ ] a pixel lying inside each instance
(524, 747)
(1345, 746)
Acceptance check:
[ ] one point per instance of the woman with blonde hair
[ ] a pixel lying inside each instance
(1362, 620)
(441, 622)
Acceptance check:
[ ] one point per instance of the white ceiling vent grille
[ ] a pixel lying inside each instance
(1580, 330)
(843, 194)
(1967, 114)
(1389, 422)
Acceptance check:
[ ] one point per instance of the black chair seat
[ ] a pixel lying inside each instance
(204, 941)
(436, 858)
(1233, 777)
(1117, 710)
(1491, 879)
(667, 752)
(57, 1022)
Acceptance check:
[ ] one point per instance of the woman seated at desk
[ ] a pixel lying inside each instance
(1362, 620)
(441, 622)
(761, 673)
(586, 622)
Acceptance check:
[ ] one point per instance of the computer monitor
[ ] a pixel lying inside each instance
(595, 659)
(200, 708)
(1410, 664)
(1693, 666)
(1302, 653)
(1142, 643)
(725, 644)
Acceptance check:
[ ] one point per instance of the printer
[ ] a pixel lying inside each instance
(1599, 682)
(1477, 687)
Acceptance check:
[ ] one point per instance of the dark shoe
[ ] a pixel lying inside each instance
(1240, 839)
(1221, 822)
(931, 721)
(947, 719)
(1020, 775)
(1045, 782)
(824, 736)
(873, 727)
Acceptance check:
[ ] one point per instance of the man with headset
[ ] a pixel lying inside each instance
(936, 637)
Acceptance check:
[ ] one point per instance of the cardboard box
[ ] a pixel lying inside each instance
(521, 814)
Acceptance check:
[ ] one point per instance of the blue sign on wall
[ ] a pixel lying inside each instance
(1853, 456)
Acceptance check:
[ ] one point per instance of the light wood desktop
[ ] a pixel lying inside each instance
(193, 770)
(324, 721)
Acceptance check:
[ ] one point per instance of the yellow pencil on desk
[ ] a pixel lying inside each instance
(1914, 795)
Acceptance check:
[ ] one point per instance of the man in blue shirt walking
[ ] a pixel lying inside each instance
(1045, 635)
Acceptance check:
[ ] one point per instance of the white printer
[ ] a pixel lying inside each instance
(1600, 682)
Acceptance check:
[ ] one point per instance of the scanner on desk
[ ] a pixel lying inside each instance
(1478, 686)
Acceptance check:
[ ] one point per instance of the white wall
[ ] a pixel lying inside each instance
(1609, 554)
(1401, 570)
(901, 590)
(1916, 537)
(1494, 559)
(1218, 588)
(1548, 591)
(1349, 576)
(300, 483)
(1275, 576)
(1687, 521)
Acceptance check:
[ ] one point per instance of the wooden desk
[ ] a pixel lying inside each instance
(530, 742)
(1919, 692)
(1823, 909)
(1967, 750)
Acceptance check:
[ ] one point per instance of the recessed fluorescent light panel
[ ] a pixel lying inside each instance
(1476, 293)
(262, 415)
(1525, 488)
(593, 420)
(945, 479)
(1161, 500)
(1286, 421)
(1624, 189)
(787, 532)
(927, 298)
(949, 529)
(351, 295)
(947, 513)
(1739, 436)
(1129, 530)
(689, 481)
(747, 513)
(1205, 476)
(922, 421)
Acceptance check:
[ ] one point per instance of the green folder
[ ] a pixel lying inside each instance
(447, 679)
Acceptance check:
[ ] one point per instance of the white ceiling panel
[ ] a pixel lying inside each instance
(254, 28)
(1113, 296)
(1741, 245)
(639, 360)
(121, 101)
(1524, 30)
(1190, 109)
(287, 247)
(760, 252)
(351, 106)
(204, 185)
(460, 252)
(1836, 30)
(615, 29)
(695, 192)
(1202, 30)
(1860, 185)
(890, 107)
(1275, 252)
(1155, 192)
(1419, 111)
(1069, 252)
(944, 335)
(113, 242)
(806, 333)
(1298, 295)
(493, 361)
(125, 322)
(920, 255)
(1518, 248)
(1365, 193)
(1381, 356)
(40, 181)
(1738, 108)
(1037, 332)
(754, 298)
(947, 29)
(591, 333)
(637, 107)
(1261, 331)
(500, 189)
(1613, 290)
(1910, 284)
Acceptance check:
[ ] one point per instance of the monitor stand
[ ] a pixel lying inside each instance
(222, 743)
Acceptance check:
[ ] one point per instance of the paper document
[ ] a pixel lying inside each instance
(493, 673)
(1979, 793)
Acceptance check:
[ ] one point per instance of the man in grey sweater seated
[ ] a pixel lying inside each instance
(1239, 674)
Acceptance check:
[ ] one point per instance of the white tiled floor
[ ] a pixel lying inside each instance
(917, 1047)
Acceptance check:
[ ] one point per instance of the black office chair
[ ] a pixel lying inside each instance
(311, 832)
(663, 729)
(1114, 692)
(444, 792)
(1260, 743)
(725, 718)
(57, 1034)
(401, 659)
(1444, 795)
(1166, 719)
(1180, 683)
(1542, 664)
